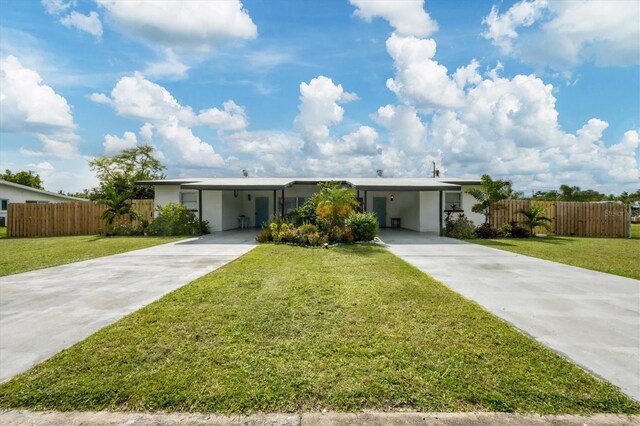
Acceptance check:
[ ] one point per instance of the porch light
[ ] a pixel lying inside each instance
(391, 197)
(249, 197)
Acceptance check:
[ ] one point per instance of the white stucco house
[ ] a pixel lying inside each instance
(15, 193)
(417, 204)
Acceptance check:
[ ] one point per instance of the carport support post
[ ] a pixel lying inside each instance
(275, 203)
(200, 209)
(440, 214)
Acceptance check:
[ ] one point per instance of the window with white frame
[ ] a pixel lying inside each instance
(290, 203)
(189, 199)
(453, 200)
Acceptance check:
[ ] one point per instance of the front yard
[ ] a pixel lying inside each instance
(286, 329)
(619, 256)
(26, 254)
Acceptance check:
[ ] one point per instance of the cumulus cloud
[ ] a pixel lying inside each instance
(418, 76)
(360, 142)
(55, 7)
(114, 144)
(88, 23)
(198, 25)
(407, 17)
(168, 122)
(320, 108)
(565, 34)
(506, 126)
(27, 105)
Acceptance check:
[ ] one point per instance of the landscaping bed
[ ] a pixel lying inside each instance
(286, 329)
(26, 254)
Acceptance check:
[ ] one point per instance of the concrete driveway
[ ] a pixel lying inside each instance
(45, 311)
(590, 317)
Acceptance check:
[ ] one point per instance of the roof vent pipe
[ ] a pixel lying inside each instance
(245, 173)
(379, 172)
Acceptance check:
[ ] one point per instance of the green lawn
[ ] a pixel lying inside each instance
(286, 329)
(26, 254)
(619, 256)
(635, 230)
(3, 232)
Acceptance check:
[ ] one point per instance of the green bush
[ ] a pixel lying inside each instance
(363, 226)
(486, 231)
(513, 230)
(176, 219)
(126, 230)
(459, 227)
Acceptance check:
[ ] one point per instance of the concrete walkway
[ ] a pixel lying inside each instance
(102, 418)
(590, 317)
(45, 311)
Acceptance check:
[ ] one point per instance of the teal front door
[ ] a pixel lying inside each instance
(262, 210)
(380, 209)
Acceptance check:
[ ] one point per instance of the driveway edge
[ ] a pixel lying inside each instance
(55, 418)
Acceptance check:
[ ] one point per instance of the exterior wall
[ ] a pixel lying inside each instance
(404, 206)
(467, 202)
(429, 211)
(232, 208)
(212, 209)
(165, 194)
(19, 195)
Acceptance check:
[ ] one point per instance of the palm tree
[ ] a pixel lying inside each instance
(335, 203)
(117, 205)
(489, 193)
(534, 218)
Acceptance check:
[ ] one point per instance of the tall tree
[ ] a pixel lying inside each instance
(489, 193)
(121, 171)
(23, 178)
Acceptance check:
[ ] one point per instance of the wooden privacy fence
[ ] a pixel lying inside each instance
(56, 219)
(570, 218)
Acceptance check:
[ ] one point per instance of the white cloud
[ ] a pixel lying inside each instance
(55, 7)
(100, 98)
(88, 23)
(197, 25)
(407, 17)
(264, 142)
(420, 78)
(565, 34)
(406, 129)
(170, 67)
(501, 29)
(187, 149)
(360, 142)
(319, 107)
(114, 144)
(27, 105)
(168, 122)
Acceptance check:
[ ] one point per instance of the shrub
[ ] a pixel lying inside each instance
(176, 219)
(280, 231)
(486, 231)
(519, 231)
(460, 227)
(313, 239)
(308, 228)
(364, 226)
(126, 230)
(264, 236)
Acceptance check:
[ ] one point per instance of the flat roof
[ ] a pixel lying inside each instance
(40, 191)
(277, 183)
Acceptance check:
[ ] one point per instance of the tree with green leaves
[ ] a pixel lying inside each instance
(117, 205)
(534, 218)
(26, 178)
(334, 204)
(121, 171)
(489, 193)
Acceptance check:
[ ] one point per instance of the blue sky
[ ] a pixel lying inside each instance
(541, 92)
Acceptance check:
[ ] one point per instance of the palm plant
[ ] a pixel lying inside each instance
(489, 193)
(335, 203)
(117, 205)
(534, 218)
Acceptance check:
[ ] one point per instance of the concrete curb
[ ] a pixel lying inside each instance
(53, 418)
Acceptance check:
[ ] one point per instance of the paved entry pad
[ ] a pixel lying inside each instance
(45, 311)
(590, 317)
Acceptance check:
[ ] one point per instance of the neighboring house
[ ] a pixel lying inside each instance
(15, 193)
(417, 204)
